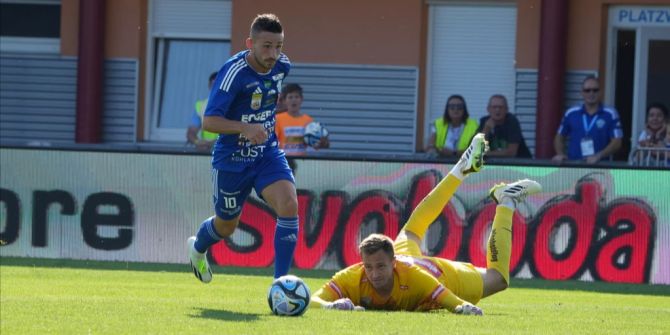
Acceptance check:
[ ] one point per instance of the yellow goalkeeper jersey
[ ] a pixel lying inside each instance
(414, 288)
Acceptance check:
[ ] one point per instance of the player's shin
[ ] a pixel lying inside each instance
(499, 247)
(206, 236)
(431, 206)
(286, 237)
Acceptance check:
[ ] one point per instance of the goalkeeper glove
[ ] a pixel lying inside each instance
(344, 304)
(468, 309)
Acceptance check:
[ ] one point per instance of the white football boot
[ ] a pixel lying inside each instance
(199, 262)
(472, 159)
(516, 191)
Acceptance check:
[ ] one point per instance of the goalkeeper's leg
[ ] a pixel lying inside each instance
(499, 247)
(431, 206)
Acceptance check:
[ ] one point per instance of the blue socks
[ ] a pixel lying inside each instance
(206, 236)
(286, 237)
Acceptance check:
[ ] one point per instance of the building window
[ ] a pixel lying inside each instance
(182, 69)
(187, 41)
(30, 26)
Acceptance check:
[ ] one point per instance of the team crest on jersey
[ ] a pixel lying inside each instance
(267, 83)
(256, 99)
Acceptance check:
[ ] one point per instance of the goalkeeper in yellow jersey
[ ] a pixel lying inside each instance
(395, 275)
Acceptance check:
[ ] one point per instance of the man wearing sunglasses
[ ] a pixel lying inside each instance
(591, 131)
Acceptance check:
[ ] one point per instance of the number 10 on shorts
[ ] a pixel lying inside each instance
(230, 202)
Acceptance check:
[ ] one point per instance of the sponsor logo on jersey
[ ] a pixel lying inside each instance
(258, 117)
(256, 99)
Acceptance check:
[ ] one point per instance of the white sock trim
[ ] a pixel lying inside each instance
(456, 172)
(508, 202)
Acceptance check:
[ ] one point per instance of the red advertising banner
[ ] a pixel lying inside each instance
(586, 224)
(576, 232)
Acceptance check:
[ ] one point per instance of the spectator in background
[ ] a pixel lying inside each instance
(593, 131)
(195, 135)
(290, 126)
(654, 133)
(451, 134)
(502, 130)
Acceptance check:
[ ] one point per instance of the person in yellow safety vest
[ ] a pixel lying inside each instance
(451, 134)
(195, 135)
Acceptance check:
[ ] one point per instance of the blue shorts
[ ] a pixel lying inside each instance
(231, 189)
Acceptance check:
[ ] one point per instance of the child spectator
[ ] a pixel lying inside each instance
(290, 126)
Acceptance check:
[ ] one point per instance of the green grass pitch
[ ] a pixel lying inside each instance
(39, 296)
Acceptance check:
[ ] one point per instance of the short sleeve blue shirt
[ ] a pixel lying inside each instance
(601, 127)
(241, 94)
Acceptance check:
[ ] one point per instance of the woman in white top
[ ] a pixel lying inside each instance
(654, 133)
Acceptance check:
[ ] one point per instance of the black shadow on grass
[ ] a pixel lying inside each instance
(224, 315)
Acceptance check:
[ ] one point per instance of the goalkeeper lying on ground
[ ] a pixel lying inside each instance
(394, 275)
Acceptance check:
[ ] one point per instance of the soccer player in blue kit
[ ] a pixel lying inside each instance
(246, 155)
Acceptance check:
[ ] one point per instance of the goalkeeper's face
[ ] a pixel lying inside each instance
(379, 270)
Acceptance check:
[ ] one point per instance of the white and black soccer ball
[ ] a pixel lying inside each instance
(288, 296)
(314, 131)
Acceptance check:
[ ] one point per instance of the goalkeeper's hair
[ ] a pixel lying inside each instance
(376, 242)
(266, 22)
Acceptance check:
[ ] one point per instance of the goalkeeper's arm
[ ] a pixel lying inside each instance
(341, 304)
(454, 304)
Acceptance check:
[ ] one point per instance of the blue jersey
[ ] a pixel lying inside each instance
(241, 94)
(601, 127)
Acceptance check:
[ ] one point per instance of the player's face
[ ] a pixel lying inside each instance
(497, 109)
(293, 101)
(379, 270)
(265, 49)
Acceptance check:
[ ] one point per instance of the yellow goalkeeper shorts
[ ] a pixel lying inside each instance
(463, 279)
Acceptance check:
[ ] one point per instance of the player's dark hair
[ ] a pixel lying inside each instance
(266, 22)
(660, 106)
(446, 117)
(291, 88)
(376, 242)
(212, 76)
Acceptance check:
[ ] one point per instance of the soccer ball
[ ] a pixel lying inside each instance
(313, 133)
(288, 296)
